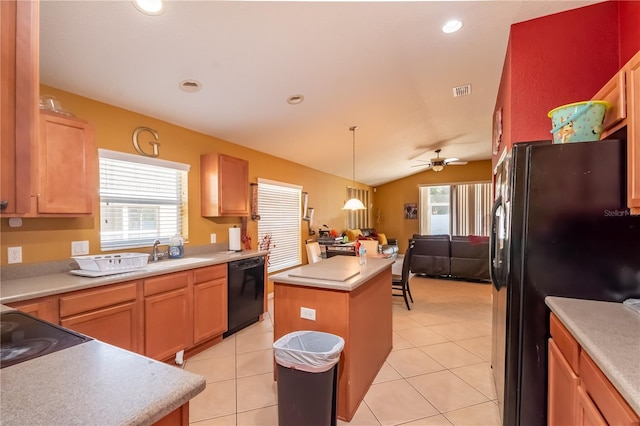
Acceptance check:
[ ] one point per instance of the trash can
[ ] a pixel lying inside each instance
(307, 363)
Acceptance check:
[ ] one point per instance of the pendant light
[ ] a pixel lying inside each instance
(354, 203)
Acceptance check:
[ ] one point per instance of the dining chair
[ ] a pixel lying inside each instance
(314, 254)
(400, 283)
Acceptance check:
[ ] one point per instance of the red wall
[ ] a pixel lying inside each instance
(629, 18)
(554, 60)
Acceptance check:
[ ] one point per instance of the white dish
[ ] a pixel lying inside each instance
(95, 274)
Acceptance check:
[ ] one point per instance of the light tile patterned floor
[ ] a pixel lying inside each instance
(437, 374)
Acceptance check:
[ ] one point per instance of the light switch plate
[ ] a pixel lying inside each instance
(79, 248)
(15, 254)
(213, 238)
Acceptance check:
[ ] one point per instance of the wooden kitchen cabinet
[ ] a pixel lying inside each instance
(209, 302)
(19, 92)
(167, 315)
(111, 314)
(45, 308)
(563, 387)
(578, 392)
(66, 166)
(224, 185)
(632, 70)
(623, 92)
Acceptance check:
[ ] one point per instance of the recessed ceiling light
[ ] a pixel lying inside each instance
(190, 86)
(451, 26)
(149, 7)
(295, 99)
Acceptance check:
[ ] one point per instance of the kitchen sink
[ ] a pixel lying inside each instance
(172, 263)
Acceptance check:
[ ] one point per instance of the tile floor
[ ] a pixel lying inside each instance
(437, 374)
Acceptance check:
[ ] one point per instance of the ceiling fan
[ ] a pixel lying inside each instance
(437, 164)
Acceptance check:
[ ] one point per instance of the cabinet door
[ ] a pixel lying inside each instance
(587, 413)
(224, 186)
(166, 324)
(614, 93)
(66, 164)
(563, 383)
(633, 133)
(234, 186)
(209, 309)
(116, 325)
(19, 91)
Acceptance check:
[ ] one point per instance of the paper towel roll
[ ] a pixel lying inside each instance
(234, 239)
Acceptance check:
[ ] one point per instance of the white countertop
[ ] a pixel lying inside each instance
(46, 285)
(331, 273)
(93, 384)
(610, 334)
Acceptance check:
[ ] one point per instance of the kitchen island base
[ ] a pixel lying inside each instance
(362, 316)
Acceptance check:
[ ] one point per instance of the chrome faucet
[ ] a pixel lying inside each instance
(155, 255)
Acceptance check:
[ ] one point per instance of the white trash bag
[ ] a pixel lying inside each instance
(310, 351)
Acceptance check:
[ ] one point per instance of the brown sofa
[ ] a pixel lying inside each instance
(464, 257)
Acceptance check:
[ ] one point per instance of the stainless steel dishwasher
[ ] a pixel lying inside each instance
(245, 295)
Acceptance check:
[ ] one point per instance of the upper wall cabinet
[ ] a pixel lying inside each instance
(623, 92)
(19, 94)
(224, 185)
(66, 166)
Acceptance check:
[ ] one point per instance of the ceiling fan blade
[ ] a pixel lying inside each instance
(426, 166)
(450, 160)
(457, 163)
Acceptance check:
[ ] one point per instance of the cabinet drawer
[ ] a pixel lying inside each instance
(164, 283)
(210, 273)
(611, 404)
(89, 300)
(565, 342)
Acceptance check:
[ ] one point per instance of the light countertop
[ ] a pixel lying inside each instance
(610, 334)
(93, 384)
(16, 290)
(336, 273)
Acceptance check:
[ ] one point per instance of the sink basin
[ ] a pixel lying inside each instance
(171, 263)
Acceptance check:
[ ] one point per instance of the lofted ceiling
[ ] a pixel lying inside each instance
(385, 67)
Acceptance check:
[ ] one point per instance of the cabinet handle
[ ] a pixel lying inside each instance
(4, 204)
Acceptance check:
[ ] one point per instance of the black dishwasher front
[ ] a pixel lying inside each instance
(245, 293)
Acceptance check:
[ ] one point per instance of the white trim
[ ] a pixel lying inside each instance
(275, 182)
(123, 156)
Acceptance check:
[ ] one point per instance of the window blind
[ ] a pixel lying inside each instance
(279, 206)
(142, 199)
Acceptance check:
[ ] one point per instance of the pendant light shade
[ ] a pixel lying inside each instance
(354, 203)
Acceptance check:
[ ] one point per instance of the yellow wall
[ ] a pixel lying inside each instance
(389, 199)
(50, 239)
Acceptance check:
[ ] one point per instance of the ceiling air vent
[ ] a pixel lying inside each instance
(462, 90)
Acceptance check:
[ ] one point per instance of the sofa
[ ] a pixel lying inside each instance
(463, 257)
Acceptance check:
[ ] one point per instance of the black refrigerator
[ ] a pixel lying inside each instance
(560, 227)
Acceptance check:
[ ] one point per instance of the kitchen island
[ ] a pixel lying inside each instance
(94, 383)
(349, 300)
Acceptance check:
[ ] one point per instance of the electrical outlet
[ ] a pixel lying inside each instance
(15, 254)
(79, 248)
(213, 238)
(308, 313)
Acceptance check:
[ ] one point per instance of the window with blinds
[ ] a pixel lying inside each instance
(142, 199)
(279, 206)
(460, 209)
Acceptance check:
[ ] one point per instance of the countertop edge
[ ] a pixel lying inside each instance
(595, 336)
(21, 289)
(376, 265)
